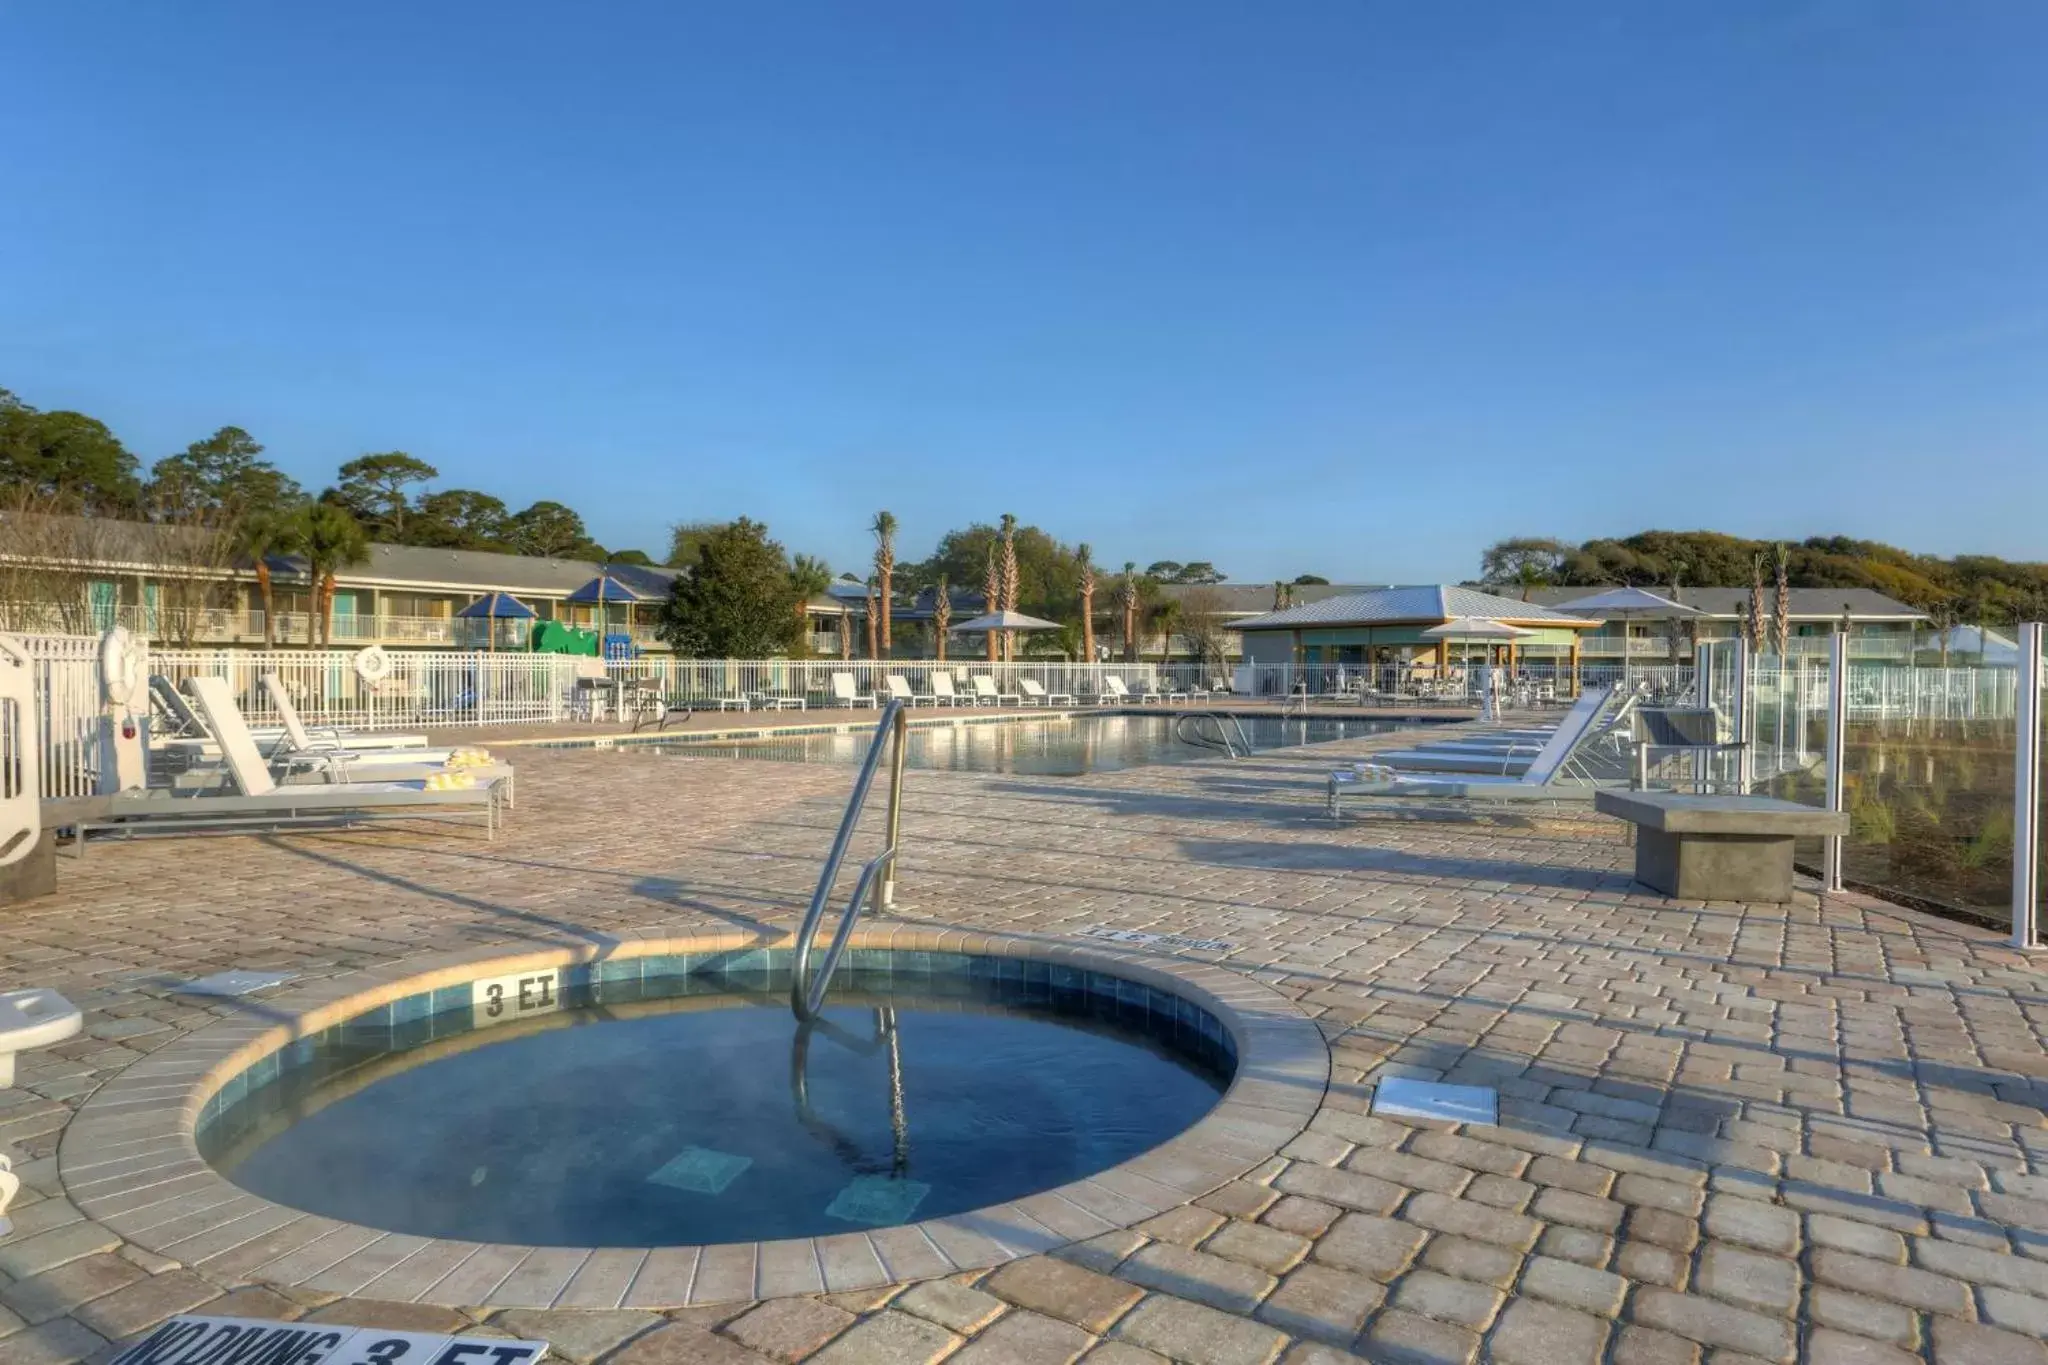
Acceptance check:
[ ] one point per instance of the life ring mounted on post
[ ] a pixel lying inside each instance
(373, 665)
(124, 663)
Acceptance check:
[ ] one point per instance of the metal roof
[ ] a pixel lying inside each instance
(1246, 599)
(1813, 604)
(1427, 604)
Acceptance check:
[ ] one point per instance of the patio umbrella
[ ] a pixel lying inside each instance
(493, 608)
(1626, 604)
(1467, 628)
(1006, 620)
(1478, 628)
(1475, 628)
(600, 590)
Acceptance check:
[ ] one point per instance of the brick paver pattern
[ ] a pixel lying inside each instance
(1728, 1132)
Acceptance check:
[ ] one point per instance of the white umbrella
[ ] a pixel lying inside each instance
(1006, 620)
(1624, 605)
(1475, 628)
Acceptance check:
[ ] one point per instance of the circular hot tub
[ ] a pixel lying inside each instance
(641, 1121)
(676, 1099)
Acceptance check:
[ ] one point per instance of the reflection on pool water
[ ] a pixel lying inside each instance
(1052, 747)
(692, 1109)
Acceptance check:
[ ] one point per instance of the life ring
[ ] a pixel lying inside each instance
(124, 663)
(373, 665)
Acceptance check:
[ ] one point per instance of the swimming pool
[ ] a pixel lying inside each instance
(675, 1102)
(1049, 747)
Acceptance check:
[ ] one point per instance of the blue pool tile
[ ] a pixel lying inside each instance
(667, 964)
(448, 998)
(621, 969)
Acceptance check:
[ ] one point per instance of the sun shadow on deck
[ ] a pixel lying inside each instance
(1398, 862)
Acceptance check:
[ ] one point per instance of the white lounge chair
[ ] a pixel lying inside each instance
(985, 691)
(297, 739)
(1503, 753)
(1114, 690)
(846, 694)
(899, 690)
(376, 765)
(187, 730)
(943, 693)
(262, 802)
(1557, 759)
(1036, 695)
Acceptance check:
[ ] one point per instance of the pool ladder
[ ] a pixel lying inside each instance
(807, 986)
(1231, 738)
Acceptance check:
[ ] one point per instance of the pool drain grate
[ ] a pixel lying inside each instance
(1401, 1097)
(700, 1170)
(877, 1199)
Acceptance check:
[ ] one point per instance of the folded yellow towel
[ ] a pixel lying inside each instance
(450, 781)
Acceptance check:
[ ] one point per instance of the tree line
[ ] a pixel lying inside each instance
(74, 463)
(1979, 588)
(743, 595)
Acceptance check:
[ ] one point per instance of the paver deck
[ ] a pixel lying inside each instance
(1729, 1132)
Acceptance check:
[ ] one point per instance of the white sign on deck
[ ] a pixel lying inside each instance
(1200, 945)
(522, 995)
(193, 1339)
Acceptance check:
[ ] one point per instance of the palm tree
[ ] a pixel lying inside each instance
(1944, 616)
(871, 618)
(261, 535)
(334, 540)
(992, 592)
(1781, 624)
(1753, 623)
(884, 527)
(942, 614)
(809, 576)
(1279, 595)
(1127, 599)
(1009, 581)
(1084, 561)
(1166, 618)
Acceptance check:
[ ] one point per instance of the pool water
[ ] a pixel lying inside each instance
(699, 1112)
(1052, 747)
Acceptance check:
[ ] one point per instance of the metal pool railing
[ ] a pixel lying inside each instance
(807, 988)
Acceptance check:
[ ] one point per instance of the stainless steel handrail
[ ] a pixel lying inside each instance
(1222, 741)
(807, 989)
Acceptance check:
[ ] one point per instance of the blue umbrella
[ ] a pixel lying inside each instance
(600, 590)
(492, 608)
(497, 606)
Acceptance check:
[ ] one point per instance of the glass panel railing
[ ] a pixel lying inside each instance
(1928, 769)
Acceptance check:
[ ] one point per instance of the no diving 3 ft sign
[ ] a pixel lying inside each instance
(194, 1340)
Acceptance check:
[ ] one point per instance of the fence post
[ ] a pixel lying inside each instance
(1838, 718)
(2026, 801)
(1744, 718)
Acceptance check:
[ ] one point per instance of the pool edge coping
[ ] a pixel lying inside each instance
(128, 1158)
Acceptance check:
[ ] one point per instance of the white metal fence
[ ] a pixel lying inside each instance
(66, 712)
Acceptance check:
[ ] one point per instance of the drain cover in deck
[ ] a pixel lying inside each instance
(1400, 1097)
(234, 983)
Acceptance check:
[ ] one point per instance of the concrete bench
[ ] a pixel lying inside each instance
(1717, 848)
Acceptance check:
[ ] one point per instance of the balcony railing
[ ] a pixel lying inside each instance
(231, 625)
(1655, 648)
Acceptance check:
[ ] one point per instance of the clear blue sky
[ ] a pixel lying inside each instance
(1348, 287)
